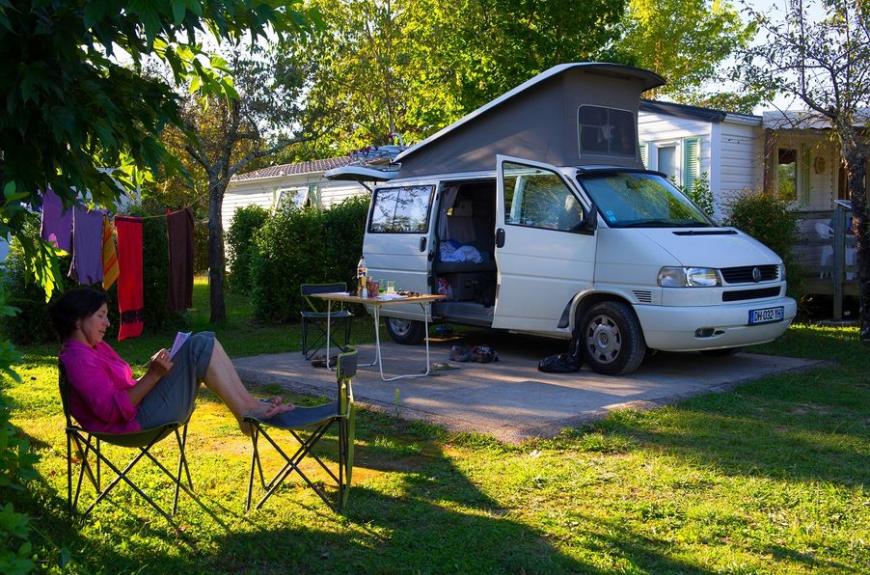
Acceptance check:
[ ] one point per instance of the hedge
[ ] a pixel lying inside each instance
(304, 246)
(240, 243)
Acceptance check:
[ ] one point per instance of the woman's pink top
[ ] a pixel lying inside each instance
(99, 380)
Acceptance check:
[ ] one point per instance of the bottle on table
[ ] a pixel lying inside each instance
(362, 273)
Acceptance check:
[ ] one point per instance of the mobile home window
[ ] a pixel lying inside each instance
(607, 131)
(403, 210)
(667, 161)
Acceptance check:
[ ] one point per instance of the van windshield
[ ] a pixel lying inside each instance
(641, 200)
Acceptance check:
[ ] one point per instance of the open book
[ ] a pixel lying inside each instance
(180, 338)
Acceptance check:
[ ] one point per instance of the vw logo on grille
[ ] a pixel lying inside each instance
(756, 274)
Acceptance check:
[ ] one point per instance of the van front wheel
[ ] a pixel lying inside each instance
(611, 338)
(405, 331)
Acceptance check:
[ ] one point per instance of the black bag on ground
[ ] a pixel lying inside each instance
(560, 363)
(563, 362)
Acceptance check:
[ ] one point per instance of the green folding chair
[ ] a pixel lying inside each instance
(314, 318)
(307, 426)
(89, 448)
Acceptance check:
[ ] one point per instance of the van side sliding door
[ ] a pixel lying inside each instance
(544, 252)
(399, 235)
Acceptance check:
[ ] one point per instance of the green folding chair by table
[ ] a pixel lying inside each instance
(316, 317)
(89, 448)
(307, 426)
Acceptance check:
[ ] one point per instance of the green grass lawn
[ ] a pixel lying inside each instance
(769, 478)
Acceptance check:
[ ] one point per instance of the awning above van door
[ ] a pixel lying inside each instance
(359, 174)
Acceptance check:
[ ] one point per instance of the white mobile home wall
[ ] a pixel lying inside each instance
(730, 151)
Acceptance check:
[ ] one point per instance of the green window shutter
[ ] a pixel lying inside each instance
(804, 176)
(691, 162)
(644, 154)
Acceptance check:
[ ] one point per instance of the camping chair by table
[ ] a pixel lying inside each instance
(307, 425)
(89, 448)
(316, 317)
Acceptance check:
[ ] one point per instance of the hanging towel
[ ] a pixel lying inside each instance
(87, 264)
(179, 228)
(110, 254)
(130, 295)
(56, 221)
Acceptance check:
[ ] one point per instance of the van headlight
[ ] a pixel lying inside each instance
(672, 276)
(782, 272)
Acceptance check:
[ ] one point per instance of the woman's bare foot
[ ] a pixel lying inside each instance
(265, 409)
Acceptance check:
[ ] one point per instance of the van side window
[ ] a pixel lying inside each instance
(401, 210)
(607, 131)
(539, 198)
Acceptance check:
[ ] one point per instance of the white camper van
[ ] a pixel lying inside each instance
(534, 214)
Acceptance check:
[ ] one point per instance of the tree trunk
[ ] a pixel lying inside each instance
(216, 250)
(856, 172)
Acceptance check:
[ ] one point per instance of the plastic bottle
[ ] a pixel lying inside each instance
(362, 273)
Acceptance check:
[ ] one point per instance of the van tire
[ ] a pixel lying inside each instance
(405, 331)
(611, 338)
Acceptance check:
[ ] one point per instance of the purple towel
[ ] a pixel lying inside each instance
(87, 262)
(56, 222)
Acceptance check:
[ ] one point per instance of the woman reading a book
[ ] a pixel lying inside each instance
(104, 395)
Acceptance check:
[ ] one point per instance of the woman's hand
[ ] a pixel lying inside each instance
(160, 364)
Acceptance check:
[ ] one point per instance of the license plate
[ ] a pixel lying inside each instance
(766, 315)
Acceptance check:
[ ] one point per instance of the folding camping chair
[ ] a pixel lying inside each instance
(88, 443)
(316, 316)
(307, 425)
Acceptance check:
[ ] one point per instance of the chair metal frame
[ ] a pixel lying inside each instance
(318, 318)
(307, 425)
(88, 443)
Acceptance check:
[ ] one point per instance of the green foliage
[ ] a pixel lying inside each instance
(767, 219)
(240, 240)
(683, 40)
(71, 107)
(702, 196)
(304, 246)
(16, 467)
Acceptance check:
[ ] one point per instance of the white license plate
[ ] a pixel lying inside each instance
(766, 315)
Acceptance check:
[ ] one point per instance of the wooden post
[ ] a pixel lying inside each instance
(838, 275)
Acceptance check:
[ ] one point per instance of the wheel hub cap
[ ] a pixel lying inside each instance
(603, 339)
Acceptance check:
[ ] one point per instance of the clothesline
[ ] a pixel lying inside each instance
(90, 236)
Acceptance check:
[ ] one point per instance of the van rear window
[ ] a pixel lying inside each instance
(403, 210)
(607, 131)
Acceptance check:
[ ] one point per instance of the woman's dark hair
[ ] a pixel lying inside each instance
(74, 305)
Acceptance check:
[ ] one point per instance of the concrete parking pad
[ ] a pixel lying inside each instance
(510, 399)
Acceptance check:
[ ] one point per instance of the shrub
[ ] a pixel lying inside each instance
(246, 221)
(767, 218)
(304, 246)
(702, 196)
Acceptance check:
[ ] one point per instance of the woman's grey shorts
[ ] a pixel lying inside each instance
(172, 399)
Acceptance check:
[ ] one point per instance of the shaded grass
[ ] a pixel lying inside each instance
(768, 478)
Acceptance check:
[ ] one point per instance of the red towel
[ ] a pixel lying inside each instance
(130, 295)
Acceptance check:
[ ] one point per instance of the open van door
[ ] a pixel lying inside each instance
(545, 245)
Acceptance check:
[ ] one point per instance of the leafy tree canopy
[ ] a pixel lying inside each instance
(74, 96)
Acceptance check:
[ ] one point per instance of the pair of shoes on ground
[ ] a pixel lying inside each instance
(320, 361)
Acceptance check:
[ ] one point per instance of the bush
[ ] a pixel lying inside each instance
(767, 218)
(240, 241)
(701, 195)
(304, 246)
(33, 325)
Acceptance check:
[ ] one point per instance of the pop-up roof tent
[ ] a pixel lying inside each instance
(570, 115)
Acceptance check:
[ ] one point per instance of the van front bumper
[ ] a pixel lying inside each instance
(694, 328)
